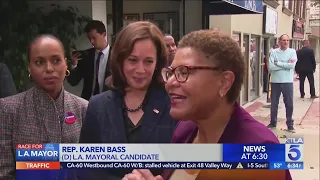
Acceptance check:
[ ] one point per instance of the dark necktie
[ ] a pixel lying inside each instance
(96, 88)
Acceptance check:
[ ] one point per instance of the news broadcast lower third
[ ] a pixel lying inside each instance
(57, 157)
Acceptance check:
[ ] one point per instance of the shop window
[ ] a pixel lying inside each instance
(298, 8)
(245, 50)
(127, 19)
(295, 7)
(286, 4)
(236, 37)
(290, 5)
(304, 10)
(168, 22)
(286, 7)
(254, 66)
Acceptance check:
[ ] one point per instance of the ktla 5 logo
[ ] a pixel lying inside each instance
(294, 152)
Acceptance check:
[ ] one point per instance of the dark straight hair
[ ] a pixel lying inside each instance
(40, 37)
(123, 47)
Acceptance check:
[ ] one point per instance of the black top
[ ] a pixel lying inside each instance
(133, 131)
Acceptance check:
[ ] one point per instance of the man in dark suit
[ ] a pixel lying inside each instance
(7, 87)
(305, 67)
(91, 65)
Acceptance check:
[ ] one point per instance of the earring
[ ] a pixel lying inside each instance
(67, 73)
(29, 76)
(221, 95)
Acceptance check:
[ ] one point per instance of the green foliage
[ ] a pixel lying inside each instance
(19, 25)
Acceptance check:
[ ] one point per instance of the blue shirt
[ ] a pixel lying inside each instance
(283, 71)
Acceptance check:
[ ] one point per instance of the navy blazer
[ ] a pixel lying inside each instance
(104, 123)
(306, 60)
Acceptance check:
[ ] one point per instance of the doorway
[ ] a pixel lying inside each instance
(245, 51)
(237, 37)
(254, 68)
(168, 22)
(264, 65)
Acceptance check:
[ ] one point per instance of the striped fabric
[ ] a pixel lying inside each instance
(33, 117)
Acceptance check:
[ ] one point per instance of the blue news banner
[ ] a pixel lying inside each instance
(267, 156)
(234, 156)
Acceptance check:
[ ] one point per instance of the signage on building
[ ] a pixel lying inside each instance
(314, 23)
(297, 29)
(314, 9)
(314, 16)
(270, 21)
(252, 5)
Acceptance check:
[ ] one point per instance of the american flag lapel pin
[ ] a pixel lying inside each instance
(156, 111)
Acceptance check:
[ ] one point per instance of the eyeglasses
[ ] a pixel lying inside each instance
(181, 73)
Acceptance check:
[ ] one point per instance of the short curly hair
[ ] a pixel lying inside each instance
(223, 51)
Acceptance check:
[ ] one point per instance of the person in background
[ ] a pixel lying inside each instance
(45, 113)
(305, 67)
(265, 74)
(204, 83)
(91, 65)
(136, 109)
(282, 62)
(171, 45)
(6, 82)
(273, 47)
(215, 29)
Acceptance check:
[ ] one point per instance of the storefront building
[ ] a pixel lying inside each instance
(298, 11)
(258, 33)
(255, 32)
(246, 29)
(314, 30)
(175, 17)
(314, 39)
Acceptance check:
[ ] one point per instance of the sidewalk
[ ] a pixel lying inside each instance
(306, 119)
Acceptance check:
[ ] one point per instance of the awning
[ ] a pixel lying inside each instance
(227, 7)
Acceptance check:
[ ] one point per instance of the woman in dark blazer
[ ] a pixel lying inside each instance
(46, 113)
(136, 110)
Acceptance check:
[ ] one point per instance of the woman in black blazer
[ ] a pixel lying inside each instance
(137, 108)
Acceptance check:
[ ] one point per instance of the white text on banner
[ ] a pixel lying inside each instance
(140, 153)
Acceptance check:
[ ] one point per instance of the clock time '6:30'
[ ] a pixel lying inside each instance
(254, 156)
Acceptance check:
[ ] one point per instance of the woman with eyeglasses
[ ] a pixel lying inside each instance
(204, 83)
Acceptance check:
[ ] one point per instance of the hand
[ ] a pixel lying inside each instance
(75, 58)
(141, 174)
(292, 61)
